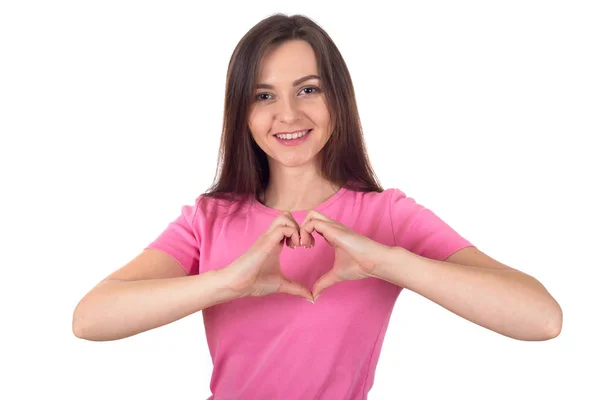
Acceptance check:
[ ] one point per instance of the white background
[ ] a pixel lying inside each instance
(110, 116)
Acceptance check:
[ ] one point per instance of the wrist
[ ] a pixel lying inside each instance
(391, 258)
(226, 284)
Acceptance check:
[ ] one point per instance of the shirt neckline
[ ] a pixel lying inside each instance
(321, 207)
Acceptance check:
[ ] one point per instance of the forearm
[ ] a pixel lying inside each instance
(118, 309)
(509, 302)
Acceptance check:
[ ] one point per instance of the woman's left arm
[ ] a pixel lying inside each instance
(478, 288)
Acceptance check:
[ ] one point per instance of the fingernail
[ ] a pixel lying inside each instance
(317, 297)
(310, 301)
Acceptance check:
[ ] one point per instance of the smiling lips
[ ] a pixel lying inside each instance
(293, 139)
(292, 135)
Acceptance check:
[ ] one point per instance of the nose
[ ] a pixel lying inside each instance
(287, 110)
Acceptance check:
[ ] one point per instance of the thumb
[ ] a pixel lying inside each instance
(294, 288)
(326, 280)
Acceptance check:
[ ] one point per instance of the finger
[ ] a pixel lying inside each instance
(287, 219)
(306, 238)
(320, 226)
(294, 288)
(315, 214)
(311, 217)
(325, 281)
(284, 233)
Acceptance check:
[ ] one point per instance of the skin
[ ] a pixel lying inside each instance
(295, 181)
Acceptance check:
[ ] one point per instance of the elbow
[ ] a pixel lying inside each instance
(554, 325)
(81, 326)
(548, 326)
(78, 331)
(85, 317)
(552, 322)
(77, 325)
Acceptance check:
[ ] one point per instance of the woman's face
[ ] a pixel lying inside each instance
(289, 99)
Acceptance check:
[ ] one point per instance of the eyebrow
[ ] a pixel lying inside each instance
(295, 83)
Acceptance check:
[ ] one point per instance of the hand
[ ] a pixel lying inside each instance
(257, 272)
(356, 256)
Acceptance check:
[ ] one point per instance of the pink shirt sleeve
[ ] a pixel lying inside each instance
(420, 231)
(180, 241)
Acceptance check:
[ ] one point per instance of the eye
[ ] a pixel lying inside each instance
(313, 88)
(259, 98)
(264, 96)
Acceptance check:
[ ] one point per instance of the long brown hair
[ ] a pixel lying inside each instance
(243, 168)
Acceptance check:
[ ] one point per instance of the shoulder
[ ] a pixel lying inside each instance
(383, 198)
(394, 203)
(370, 204)
(360, 200)
(211, 209)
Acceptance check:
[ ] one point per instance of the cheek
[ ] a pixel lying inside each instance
(258, 123)
(320, 114)
(323, 119)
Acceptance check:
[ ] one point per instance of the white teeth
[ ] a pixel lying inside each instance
(289, 136)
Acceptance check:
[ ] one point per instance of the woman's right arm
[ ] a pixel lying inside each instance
(152, 290)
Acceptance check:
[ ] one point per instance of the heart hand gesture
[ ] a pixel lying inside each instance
(356, 256)
(257, 272)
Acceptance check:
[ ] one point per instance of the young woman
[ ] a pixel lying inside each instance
(296, 212)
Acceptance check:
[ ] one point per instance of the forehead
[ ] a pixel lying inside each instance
(287, 62)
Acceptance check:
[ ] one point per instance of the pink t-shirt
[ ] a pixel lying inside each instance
(282, 346)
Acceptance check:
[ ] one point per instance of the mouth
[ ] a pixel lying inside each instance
(293, 139)
(292, 135)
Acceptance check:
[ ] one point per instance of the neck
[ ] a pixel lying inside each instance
(297, 194)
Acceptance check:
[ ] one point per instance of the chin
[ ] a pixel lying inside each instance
(292, 162)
